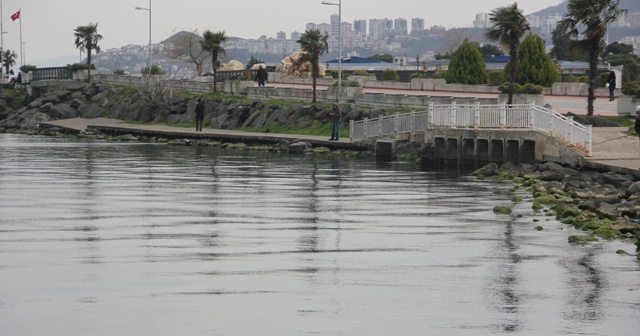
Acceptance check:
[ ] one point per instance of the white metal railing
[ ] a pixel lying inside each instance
(477, 116)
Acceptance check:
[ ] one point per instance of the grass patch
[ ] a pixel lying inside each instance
(319, 128)
(623, 121)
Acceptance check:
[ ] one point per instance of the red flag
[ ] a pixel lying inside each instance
(15, 16)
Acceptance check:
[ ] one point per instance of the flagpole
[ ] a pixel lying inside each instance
(21, 45)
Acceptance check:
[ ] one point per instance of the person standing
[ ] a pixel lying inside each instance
(261, 76)
(611, 80)
(335, 116)
(199, 114)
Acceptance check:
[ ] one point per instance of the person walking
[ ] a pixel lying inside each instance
(611, 80)
(199, 114)
(261, 76)
(335, 116)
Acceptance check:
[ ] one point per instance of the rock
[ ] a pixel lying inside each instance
(490, 169)
(502, 210)
(298, 147)
(46, 108)
(233, 65)
(63, 111)
(62, 94)
(633, 188)
(127, 137)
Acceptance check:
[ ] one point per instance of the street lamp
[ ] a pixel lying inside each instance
(339, 4)
(148, 9)
(418, 62)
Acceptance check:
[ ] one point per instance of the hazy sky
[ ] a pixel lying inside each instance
(47, 25)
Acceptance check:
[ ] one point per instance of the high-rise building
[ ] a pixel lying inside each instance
(380, 28)
(482, 21)
(400, 26)
(281, 35)
(295, 35)
(360, 28)
(335, 26)
(311, 26)
(417, 24)
(534, 21)
(324, 28)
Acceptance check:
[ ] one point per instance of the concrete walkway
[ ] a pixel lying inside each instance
(613, 149)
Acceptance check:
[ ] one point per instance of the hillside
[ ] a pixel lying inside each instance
(630, 5)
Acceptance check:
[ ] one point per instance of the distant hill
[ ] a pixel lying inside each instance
(630, 5)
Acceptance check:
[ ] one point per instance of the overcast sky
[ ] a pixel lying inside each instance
(47, 25)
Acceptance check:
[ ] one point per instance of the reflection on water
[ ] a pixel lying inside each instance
(142, 239)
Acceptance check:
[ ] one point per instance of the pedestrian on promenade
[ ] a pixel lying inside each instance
(611, 80)
(261, 76)
(335, 116)
(636, 127)
(199, 114)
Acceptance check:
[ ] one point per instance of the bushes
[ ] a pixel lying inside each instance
(495, 77)
(334, 74)
(348, 83)
(523, 89)
(80, 66)
(631, 88)
(361, 73)
(389, 75)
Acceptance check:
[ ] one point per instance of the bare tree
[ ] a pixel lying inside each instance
(453, 38)
(185, 46)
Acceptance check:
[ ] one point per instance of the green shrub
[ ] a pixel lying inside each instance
(517, 88)
(334, 74)
(571, 79)
(155, 70)
(389, 75)
(362, 73)
(439, 74)
(495, 77)
(583, 79)
(418, 75)
(80, 66)
(348, 83)
(118, 72)
(631, 88)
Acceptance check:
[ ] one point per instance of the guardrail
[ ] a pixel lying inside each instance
(477, 116)
(57, 73)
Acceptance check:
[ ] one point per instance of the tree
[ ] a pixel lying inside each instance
(534, 65)
(489, 50)
(155, 70)
(253, 61)
(118, 72)
(314, 44)
(9, 59)
(382, 58)
(466, 66)
(212, 43)
(509, 25)
(185, 46)
(87, 39)
(561, 50)
(586, 22)
(617, 48)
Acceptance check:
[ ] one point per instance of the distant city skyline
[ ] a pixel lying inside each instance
(47, 25)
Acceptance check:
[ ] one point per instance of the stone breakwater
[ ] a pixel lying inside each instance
(605, 205)
(155, 105)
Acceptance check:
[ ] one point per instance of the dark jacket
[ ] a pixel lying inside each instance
(335, 113)
(611, 79)
(262, 74)
(200, 110)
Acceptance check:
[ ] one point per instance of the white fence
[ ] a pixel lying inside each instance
(477, 116)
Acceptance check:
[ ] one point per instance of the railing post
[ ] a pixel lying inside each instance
(589, 141)
(365, 123)
(532, 117)
(412, 126)
(552, 114)
(396, 120)
(453, 110)
(503, 116)
(477, 115)
(430, 114)
(569, 129)
(351, 130)
(380, 126)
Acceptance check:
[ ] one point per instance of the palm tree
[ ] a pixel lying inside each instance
(9, 59)
(212, 43)
(87, 39)
(592, 17)
(314, 44)
(509, 25)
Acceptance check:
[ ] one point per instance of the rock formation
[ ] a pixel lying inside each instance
(292, 66)
(233, 65)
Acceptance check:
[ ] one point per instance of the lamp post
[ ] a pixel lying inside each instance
(339, 4)
(148, 9)
(418, 62)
